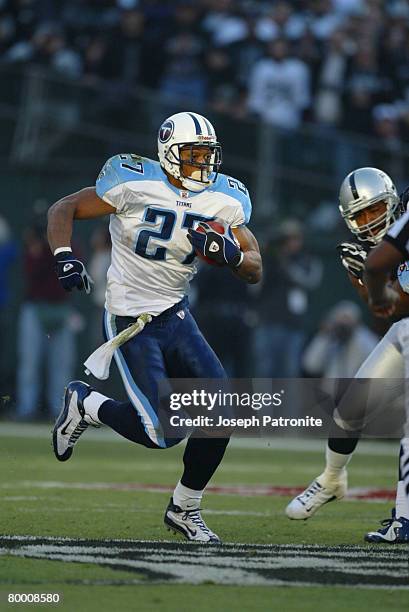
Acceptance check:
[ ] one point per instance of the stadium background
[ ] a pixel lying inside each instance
(85, 79)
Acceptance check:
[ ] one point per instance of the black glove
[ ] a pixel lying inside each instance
(353, 257)
(222, 248)
(72, 273)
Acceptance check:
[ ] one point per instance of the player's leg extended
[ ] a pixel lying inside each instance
(400, 524)
(188, 355)
(141, 366)
(385, 362)
(395, 530)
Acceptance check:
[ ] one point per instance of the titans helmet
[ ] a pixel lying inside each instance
(183, 131)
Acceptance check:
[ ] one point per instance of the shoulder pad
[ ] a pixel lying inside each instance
(123, 168)
(237, 190)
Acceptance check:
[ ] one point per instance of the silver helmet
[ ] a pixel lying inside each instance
(363, 188)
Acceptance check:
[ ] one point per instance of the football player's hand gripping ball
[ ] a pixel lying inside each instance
(214, 242)
(71, 272)
(353, 257)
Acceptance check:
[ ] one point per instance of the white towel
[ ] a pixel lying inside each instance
(98, 363)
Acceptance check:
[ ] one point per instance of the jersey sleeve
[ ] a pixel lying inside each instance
(115, 174)
(238, 191)
(109, 186)
(242, 213)
(398, 235)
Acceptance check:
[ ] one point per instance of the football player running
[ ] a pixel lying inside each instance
(369, 204)
(155, 209)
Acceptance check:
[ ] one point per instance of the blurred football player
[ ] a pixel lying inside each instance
(369, 204)
(384, 301)
(155, 209)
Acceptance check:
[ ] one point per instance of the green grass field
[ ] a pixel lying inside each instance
(90, 500)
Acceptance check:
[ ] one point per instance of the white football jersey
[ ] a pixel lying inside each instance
(152, 259)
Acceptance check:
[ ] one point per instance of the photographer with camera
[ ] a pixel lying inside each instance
(341, 345)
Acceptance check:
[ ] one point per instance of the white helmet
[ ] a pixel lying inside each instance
(363, 188)
(189, 130)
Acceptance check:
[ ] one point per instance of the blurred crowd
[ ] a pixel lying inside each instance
(337, 63)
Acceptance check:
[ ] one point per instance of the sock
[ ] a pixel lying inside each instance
(343, 444)
(187, 498)
(92, 404)
(401, 503)
(335, 463)
(201, 459)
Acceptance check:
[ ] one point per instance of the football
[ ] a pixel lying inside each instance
(217, 227)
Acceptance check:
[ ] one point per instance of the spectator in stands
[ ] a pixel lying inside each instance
(280, 21)
(94, 60)
(225, 312)
(225, 22)
(341, 345)
(364, 87)
(125, 58)
(290, 274)
(183, 77)
(322, 19)
(48, 47)
(331, 78)
(245, 53)
(387, 128)
(118, 40)
(8, 254)
(279, 88)
(7, 32)
(45, 330)
(221, 89)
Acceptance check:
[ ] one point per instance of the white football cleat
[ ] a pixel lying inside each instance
(189, 523)
(72, 420)
(320, 492)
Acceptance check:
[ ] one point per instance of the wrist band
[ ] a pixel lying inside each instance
(62, 250)
(238, 264)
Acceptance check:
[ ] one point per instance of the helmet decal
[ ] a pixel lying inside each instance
(166, 131)
(353, 185)
(197, 124)
(210, 129)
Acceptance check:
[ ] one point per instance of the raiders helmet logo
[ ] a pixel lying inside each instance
(166, 131)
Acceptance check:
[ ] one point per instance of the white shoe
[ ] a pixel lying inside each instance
(189, 523)
(321, 491)
(72, 420)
